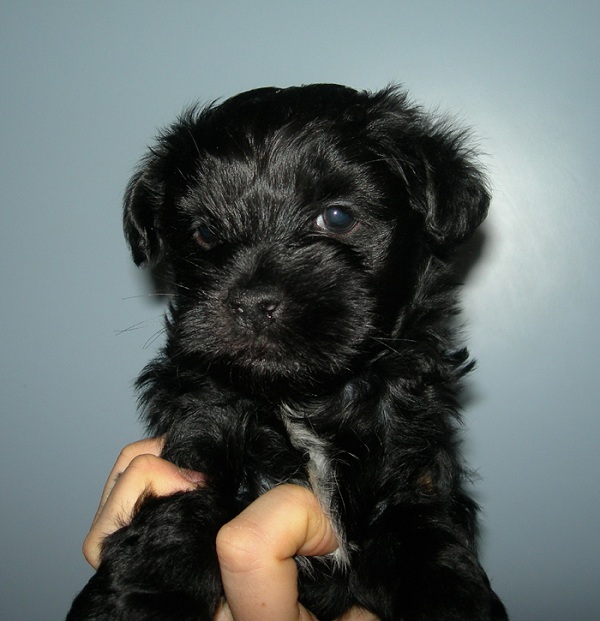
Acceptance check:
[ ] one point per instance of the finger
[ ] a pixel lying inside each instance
(256, 552)
(358, 614)
(354, 614)
(148, 446)
(145, 474)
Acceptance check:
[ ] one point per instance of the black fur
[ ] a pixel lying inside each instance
(307, 235)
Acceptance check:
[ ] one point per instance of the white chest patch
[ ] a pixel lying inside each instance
(322, 478)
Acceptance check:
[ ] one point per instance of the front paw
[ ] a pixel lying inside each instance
(104, 600)
(161, 566)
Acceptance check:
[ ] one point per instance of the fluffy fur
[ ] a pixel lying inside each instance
(307, 235)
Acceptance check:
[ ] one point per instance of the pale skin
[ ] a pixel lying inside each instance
(255, 549)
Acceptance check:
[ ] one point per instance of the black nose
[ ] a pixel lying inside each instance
(257, 306)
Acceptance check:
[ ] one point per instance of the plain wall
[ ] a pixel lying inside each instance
(83, 88)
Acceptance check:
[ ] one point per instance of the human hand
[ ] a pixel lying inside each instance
(138, 471)
(256, 554)
(255, 549)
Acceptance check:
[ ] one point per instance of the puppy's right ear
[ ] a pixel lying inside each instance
(142, 203)
(163, 173)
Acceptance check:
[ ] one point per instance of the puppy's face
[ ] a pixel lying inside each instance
(293, 225)
(282, 260)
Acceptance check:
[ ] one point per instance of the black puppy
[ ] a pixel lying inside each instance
(307, 235)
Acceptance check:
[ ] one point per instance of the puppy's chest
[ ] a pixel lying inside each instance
(323, 479)
(320, 468)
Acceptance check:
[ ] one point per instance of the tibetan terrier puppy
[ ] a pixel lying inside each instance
(307, 236)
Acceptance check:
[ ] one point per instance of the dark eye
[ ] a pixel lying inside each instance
(336, 219)
(205, 236)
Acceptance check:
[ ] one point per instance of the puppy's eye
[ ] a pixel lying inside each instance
(336, 219)
(205, 236)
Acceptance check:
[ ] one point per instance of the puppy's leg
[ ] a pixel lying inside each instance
(161, 566)
(421, 568)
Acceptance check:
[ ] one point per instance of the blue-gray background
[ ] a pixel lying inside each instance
(84, 85)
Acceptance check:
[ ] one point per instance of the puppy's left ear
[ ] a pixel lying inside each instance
(453, 196)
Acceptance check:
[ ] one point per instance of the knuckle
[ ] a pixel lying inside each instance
(89, 550)
(240, 546)
(143, 463)
(134, 449)
(130, 451)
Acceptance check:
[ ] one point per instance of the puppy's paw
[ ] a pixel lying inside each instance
(161, 566)
(103, 600)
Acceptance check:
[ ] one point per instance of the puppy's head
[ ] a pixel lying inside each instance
(293, 223)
